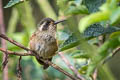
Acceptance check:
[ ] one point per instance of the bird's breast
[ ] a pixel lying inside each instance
(46, 46)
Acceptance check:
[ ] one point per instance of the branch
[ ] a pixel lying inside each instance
(19, 69)
(35, 54)
(60, 69)
(70, 66)
(15, 53)
(14, 42)
(115, 51)
(5, 61)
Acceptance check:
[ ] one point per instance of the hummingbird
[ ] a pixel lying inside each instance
(44, 41)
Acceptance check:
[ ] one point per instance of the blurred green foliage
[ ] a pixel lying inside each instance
(86, 21)
(12, 2)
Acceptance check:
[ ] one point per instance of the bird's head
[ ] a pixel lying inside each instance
(48, 24)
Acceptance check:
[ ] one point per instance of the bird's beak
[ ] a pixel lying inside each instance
(59, 21)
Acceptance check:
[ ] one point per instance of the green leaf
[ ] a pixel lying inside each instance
(115, 34)
(93, 18)
(74, 10)
(13, 2)
(96, 30)
(69, 43)
(83, 70)
(72, 7)
(115, 17)
(93, 5)
(79, 54)
(104, 14)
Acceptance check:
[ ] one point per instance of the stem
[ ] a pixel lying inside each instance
(70, 66)
(16, 53)
(19, 69)
(13, 42)
(61, 70)
(3, 42)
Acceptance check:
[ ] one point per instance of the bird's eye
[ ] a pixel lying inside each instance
(46, 26)
(47, 23)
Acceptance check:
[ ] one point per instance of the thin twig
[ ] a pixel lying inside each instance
(115, 51)
(48, 62)
(60, 69)
(13, 42)
(45, 61)
(70, 66)
(16, 53)
(5, 61)
(19, 69)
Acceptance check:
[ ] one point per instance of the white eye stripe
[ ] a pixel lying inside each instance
(41, 27)
(44, 26)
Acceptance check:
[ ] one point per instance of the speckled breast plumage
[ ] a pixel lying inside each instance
(44, 44)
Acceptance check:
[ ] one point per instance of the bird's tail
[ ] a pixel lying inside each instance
(45, 66)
